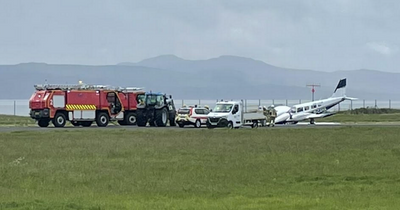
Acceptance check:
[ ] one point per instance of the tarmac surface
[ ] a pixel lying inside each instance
(111, 126)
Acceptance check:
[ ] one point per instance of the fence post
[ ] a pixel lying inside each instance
(390, 104)
(351, 105)
(199, 102)
(15, 107)
(286, 102)
(376, 105)
(259, 102)
(364, 103)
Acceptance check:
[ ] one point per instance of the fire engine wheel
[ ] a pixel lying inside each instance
(43, 123)
(161, 117)
(59, 120)
(130, 119)
(197, 124)
(102, 119)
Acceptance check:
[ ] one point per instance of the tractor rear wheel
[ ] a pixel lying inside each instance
(141, 120)
(161, 117)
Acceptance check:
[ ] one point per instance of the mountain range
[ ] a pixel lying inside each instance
(224, 77)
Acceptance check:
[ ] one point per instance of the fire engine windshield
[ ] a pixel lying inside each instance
(223, 108)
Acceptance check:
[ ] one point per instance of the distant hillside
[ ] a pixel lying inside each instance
(223, 77)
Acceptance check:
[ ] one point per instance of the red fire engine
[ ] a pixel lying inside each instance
(83, 104)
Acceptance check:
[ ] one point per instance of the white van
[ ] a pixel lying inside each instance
(231, 114)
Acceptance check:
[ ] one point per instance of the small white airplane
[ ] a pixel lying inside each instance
(312, 110)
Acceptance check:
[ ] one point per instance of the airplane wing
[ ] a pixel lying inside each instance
(321, 115)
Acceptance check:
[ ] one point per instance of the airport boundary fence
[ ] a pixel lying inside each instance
(20, 107)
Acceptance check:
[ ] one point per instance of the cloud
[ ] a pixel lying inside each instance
(382, 48)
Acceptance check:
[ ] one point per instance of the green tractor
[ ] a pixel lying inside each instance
(156, 109)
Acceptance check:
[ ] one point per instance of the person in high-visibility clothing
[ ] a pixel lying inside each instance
(272, 115)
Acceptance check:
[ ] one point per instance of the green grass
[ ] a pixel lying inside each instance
(10, 120)
(364, 115)
(325, 168)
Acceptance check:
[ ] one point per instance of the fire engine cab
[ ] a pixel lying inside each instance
(83, 104)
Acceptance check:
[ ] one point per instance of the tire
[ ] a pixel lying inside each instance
(59, 120)
(161, 117)
(130, 119)
(197, 124)
(141, 120)
(254, 125)
(209, 126)
(181, 125)
(43, 123)
(86, 123)
(230, 125)
(172, 121)
(102, 119)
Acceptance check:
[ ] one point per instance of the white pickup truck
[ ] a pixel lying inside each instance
(231, 114)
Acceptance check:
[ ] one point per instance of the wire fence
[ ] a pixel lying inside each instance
(21, 107)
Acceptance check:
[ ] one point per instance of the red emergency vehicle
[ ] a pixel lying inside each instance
(83, 104)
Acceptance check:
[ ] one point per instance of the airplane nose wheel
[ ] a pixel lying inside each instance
(312, 122)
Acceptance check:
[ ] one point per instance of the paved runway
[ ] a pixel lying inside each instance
(111, 126)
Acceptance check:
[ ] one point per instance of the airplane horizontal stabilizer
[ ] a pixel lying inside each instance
(350, 98)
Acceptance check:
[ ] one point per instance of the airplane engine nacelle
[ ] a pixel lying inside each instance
(282, 118)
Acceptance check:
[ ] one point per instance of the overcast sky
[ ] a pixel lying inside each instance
(306, 34)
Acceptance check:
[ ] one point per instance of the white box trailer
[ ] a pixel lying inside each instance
(231, 114)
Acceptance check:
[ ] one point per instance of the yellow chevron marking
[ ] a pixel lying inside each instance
(80, 107)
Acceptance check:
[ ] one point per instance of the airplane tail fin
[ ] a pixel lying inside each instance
(340, 90)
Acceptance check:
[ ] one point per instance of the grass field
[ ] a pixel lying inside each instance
(325, 168)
